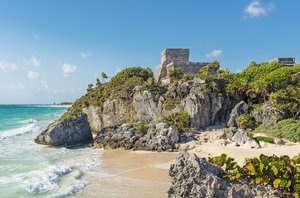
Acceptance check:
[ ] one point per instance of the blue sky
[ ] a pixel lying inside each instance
(51, 49)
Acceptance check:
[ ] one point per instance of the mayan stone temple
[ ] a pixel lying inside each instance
(171, 59)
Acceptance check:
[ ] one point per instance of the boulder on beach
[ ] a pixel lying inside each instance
(67, 132)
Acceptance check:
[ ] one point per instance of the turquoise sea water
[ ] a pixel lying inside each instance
(31, 170)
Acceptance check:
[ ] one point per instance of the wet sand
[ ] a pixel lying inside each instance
(130, 174)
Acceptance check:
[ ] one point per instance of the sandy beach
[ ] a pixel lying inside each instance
(130, 174)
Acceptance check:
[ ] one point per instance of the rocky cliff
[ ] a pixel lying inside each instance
(204, 108)
(188, 102)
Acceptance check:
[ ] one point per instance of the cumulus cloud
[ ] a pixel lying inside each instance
(257, 9)
(7, 66)
(32, 61)
(214, 54)
(68, 68)
(84, 55)
(33, 75)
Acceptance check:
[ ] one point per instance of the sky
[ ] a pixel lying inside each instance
(50, 50)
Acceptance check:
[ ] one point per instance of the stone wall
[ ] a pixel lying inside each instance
(176, 58)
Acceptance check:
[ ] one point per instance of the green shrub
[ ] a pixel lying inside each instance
(282, 172)
(141, 128)
(264, 139)
(288, 100)
(175, 74)
(288, 128)
(171, 104)
(246, 121)
(180, 119)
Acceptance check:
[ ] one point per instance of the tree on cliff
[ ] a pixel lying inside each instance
(90, 87)
(98, 83)
(104, 76)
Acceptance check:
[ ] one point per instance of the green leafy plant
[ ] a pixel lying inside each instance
(282, 172)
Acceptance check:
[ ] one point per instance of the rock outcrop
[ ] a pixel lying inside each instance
(204, 108)
(267, 113)
(67, 132)
(157, 137)
(240, 108)
(195, 177)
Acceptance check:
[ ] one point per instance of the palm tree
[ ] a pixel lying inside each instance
(104, 76)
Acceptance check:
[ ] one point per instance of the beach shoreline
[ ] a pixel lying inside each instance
(126, 173)
(130, 174)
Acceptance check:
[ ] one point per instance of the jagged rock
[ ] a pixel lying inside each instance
(159, 137)
(267, 113)
(241, 137)
(195, 177)
(240, 108)
(229, 132)
(67, 132)
(279, 141)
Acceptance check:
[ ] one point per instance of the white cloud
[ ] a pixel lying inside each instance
(33, 75)
(7, 66)
(68, 68)
(84, 55)
(32, 61)
(36, 36)
(257, 9)
(214, 54)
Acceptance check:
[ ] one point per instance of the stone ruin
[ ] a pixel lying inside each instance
(285, 61)
(171, 59)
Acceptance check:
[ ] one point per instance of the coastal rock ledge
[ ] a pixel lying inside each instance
(195, 177)
(67, 132)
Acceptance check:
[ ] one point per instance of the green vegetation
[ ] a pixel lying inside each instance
(208, 71)
(180, 119)
(258, 81)
(264, 139)
(288, 100)
(282, 172)
(288, 128)
(138, 128)
(120, 86)
(246, 121)
(175, 74)
(171, 104)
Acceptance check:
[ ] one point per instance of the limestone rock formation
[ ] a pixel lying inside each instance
(195, 177)
(67, 132)
(241, 137)
(240, 108)
(204, 108)
(267, 113)
(158, 137)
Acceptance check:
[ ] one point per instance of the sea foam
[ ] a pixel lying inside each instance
(48, 180)
(18, 131)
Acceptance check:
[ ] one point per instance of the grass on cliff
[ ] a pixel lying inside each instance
(120, 86)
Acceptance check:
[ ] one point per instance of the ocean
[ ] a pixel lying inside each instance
(31, 170)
